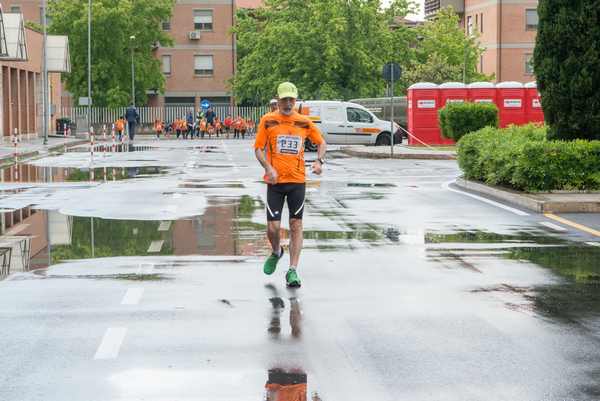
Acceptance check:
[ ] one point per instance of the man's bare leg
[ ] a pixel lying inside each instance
(273, 228)
(296, 239)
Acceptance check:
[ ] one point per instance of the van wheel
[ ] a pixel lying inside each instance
(383, 139)
(311, 147)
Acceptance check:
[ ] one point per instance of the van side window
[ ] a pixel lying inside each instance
(358, 116)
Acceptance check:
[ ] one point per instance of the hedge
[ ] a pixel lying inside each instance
(522, 158)
(459, 119)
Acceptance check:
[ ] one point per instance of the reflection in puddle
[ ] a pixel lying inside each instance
(289, 385)
(574, 299)
(27, 173)
(485, 237)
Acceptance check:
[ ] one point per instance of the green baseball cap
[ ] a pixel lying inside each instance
(287, 89)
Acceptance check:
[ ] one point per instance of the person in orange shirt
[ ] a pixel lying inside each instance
(120, 127)
(158, 128)
(279, 148)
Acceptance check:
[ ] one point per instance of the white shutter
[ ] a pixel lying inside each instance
(203, 17)
(203, 62)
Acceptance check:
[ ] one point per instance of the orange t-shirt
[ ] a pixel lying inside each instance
(120, 125)
(283, 137)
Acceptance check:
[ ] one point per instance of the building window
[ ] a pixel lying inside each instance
(481, 23)
(203, 65)
(203, 20)
(532, 19)
(470, 25)
(166, 25)
(166, 64)
(529, 64)
(16, 10)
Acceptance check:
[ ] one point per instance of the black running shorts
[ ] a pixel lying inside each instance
(278, 193)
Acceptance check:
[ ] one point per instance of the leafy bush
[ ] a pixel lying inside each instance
(458, 119)
(522, 158)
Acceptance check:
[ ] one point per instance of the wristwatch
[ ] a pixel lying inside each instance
(322, 161)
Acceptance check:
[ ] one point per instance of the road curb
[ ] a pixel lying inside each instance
(532, 201)
(414, 156)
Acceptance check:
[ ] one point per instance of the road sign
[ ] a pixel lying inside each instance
(392, 72)
(85, 101)
(205, 104)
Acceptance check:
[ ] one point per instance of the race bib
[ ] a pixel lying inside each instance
(288, 145)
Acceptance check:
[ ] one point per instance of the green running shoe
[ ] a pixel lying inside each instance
(271, 263)
(292, 278)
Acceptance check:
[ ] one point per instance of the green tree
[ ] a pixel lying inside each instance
(567, 67)
(443, 51)
(328, 48)
(113, 22)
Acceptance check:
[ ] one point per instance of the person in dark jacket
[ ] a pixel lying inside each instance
(133, 118)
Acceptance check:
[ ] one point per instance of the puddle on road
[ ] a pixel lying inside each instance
(573, 299)
(27, 173)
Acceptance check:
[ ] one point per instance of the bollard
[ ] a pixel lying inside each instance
(66, 130)
(104, 132)
(92, 140)
(114, 174)
(16, 155)
(104, 174)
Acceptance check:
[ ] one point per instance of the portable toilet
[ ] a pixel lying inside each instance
(423, 106)
(482, 92)
(511, 103)
(453, 92)
(533, 105)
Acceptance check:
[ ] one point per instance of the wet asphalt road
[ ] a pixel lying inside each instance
(411, 290)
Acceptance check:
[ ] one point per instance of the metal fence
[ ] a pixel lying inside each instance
(100, 116)
(381, 108)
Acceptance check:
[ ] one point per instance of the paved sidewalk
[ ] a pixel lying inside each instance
(33, 147)
(400, 152)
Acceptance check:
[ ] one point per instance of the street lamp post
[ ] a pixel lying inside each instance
(132, 38)
(45, 73)
(89, 99)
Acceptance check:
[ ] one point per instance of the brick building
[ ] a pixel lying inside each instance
(507, 30)
(202, 60)
(21, 71)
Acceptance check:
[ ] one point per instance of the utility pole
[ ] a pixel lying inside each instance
(132, 38)
(89, 104)
(45, 73)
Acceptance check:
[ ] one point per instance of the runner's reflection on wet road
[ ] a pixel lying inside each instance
(286, 385)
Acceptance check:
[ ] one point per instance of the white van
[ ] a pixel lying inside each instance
(347, 123)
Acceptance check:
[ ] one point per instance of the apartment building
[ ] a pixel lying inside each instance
(202, 59)
(507, 31)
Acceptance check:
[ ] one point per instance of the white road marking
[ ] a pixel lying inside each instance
(485, 200)
(132, 296)
(553, 226)
(111, 343)
(164, 225)
(593, 243)
(155, 246)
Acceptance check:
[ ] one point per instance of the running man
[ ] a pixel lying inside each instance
(282, 133)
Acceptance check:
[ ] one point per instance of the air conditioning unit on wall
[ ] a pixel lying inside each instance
(194, 35)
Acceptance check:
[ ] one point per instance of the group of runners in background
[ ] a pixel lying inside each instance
(204, 124)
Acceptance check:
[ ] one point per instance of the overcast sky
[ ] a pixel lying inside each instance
(419, 16)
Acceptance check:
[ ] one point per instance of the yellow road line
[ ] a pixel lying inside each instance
(573, 224)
